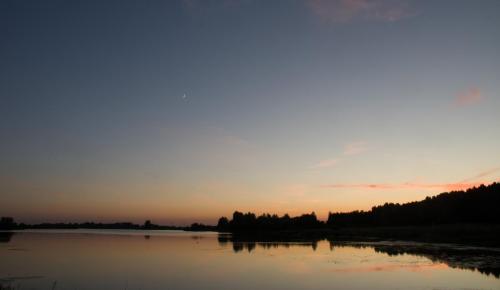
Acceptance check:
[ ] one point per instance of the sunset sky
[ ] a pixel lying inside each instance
(185, 110)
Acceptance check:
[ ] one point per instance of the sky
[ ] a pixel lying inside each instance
(186, 110)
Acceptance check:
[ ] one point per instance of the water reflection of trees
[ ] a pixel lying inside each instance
(5, 237)
(484, 260)
(244, 243)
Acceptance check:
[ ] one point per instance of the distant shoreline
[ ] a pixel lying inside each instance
(486, 235)
(8, 223)
(465, 217)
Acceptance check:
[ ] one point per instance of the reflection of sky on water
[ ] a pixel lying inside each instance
(205, 261)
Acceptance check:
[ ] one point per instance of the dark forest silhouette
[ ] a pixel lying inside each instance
(475, 205)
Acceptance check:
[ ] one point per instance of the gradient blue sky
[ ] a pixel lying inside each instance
(182, 111)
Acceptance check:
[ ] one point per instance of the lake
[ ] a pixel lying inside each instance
(142, 260)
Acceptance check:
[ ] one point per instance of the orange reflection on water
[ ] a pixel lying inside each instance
(180, 260)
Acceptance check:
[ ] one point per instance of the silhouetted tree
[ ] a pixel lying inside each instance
(7, 223)
(147, 224)
(200, 227)
(475, 205)
(5, 236)
(266, 222)
(223, 224)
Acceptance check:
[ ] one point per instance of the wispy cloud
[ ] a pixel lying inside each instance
(407, 185)
(482, 174)
(355, 148)
(469, 97)
(345, 11)
(325, 163)
(466, 183)
(473, 181)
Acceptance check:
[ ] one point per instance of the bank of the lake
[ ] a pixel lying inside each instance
(465, 234)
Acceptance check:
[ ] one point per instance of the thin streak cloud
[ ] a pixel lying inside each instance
(350, 149)
(482, 174)
(407, 185)
(355, 148)
(461, 185)
(325, 163)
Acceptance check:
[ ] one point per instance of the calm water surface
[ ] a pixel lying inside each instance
(180, 260)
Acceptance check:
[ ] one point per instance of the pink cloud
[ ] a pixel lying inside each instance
(461, 185)
(325, 163)
(345, 11)
(469, 97)
(355, 148)
(408, 185)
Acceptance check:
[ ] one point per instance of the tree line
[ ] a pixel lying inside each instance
(8, 223)
(250, 222)
(475, 205)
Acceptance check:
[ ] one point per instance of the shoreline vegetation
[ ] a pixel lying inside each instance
(463, 217)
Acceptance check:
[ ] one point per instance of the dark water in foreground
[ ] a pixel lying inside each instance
(142, 260)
